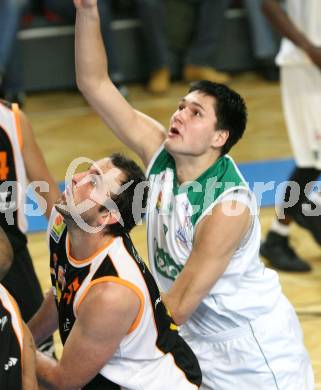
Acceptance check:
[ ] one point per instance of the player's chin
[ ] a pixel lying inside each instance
(62, 208)
(170, 145)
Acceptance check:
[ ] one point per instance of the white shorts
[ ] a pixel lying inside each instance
(266, 354)
(301, 96)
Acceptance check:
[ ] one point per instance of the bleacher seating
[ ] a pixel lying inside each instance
(47, 46)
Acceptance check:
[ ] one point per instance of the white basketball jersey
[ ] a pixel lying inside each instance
(246, 289)
(12, 169)
(306, 15)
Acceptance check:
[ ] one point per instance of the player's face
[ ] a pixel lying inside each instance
(192, 126)
(89, 190)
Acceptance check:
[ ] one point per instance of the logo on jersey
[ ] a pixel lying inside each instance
(11, 363)
(72, 289)
(165, 265)
(66, 325)
(3, 322)
(159, 201)
(61, 277)
(158, 300)
(181, 236)
(165, 228)
(58, 228)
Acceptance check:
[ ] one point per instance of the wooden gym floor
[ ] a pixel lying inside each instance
(67, 128)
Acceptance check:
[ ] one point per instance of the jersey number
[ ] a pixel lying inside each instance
(4, 169)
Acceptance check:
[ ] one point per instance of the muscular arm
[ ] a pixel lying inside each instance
(104, 318)
(216, 239)
(45, 321)
(36, 167)
(29, 380)
(139, 132)
(284, 25)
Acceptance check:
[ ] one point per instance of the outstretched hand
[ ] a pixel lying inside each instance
(85, 3)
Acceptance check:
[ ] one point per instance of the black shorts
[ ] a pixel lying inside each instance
(23, 284)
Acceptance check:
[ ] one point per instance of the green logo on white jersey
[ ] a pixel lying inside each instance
(165, 265)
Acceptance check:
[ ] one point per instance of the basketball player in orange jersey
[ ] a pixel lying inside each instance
(21, 161)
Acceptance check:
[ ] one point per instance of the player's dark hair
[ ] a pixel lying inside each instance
(133, 199)
(230, 110)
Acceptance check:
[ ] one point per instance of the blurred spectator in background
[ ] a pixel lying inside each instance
(300, 62)
(265, 42)
(66, 10)
(11, 84)
(11, 67)
(206, 35)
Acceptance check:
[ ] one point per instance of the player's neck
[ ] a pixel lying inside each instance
(189, 168)
(83, 245)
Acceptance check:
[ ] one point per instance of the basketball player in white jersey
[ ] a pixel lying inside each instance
(300, 62)
(115, 329)
(17, 352)
(21, 161)
(203, 230)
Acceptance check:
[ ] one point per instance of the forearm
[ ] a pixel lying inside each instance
(182, 299)
(29, 381)
(90, 54)
(283, 24)
(49, 373)
(45, 321)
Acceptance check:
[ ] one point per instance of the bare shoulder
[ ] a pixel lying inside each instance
(112, 297)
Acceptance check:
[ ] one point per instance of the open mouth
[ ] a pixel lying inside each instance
(173, 131)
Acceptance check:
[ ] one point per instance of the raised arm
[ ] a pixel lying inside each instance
(36, 167)
(104, 318)
(284, 25)
(217, 238)
(138, 131)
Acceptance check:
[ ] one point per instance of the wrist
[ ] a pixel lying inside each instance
(88, 11)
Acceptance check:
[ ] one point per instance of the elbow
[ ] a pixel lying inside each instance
(89, 83)
(84, 84)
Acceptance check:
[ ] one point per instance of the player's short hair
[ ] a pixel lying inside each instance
(131, 199)
(230, 110)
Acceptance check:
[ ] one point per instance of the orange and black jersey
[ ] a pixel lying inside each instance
(152, 355)
(11, 335)
(12, 175)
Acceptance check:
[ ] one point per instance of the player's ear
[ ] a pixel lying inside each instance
(109, 217)
(219, 138)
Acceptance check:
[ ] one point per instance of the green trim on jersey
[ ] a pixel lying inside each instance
(203, 191)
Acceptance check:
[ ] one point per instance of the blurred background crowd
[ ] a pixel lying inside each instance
(160, 40)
